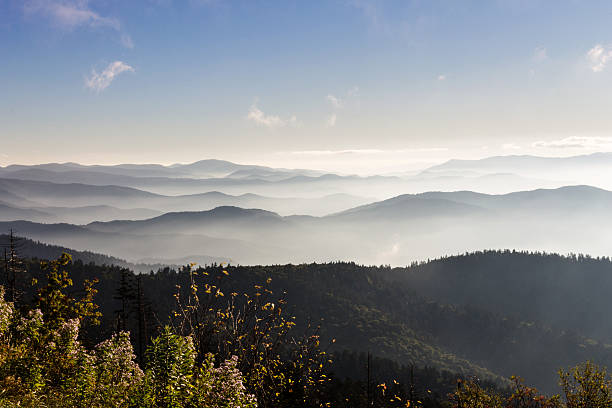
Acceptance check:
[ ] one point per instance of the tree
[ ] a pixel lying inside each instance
(13, 267)
(470, 394)
(586, 386)
(58, 306)
(281, 367)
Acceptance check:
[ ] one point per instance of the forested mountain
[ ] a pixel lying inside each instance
(567, 292)
(30, 249)
(491, 314)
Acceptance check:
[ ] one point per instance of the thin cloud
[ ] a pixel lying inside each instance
(580, 142)
(371, 12)
(331, 121)
(598, 57)
(126, 41)
(336, 152)
(100, 81)
(442, 77)
(257, 116)
(366, 151)
(72, 14)
(335, 101)
(510, 146)
(540, 54)
(338, 103)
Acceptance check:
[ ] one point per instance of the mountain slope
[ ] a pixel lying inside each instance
(397, 231)
(381, 310)
(525, 164)
(195, 221)
(570, 293)
(408, 206)
(38, 194)
(28, 248)
(10, 213)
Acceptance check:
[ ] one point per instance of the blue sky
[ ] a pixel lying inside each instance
(348, 85)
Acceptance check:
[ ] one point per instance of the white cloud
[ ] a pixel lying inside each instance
(441, 77)
(72, 14)
(270, 121)
(580, 142)
(353, 92)
(69, 14)
(331, 121)
(335, 101)
(598, 57)
(100, 81)
(540, 54)
(510, 146)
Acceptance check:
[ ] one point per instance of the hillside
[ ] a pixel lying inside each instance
(567, 292)
(409, 315)
(29, 249)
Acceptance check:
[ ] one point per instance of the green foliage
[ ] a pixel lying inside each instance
(464, 314)
(6, 315)
(173, 378)
(241, 336)
(212, 385)
(169, 370)
(44, 363)
(54, 302)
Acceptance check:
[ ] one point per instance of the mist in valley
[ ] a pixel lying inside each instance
(328, 218)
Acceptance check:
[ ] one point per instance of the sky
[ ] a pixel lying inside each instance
(354, 86)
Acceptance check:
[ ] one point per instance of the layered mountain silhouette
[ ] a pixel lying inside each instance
(399, 230)
(491, 175)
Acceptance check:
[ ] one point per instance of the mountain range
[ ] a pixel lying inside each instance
(472, 310)
(494, 175)
(398, 230)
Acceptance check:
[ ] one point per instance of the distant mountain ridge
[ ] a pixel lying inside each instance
(210, 168)
(398, 230)
(500, 174)
(524, 164)
(410, 206)
(137, 204)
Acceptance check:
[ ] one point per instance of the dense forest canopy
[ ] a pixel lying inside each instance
(488, 314)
